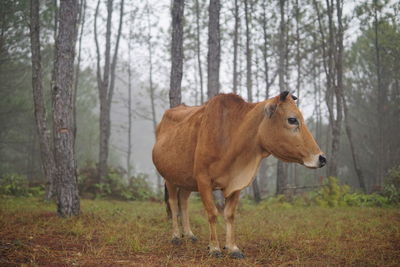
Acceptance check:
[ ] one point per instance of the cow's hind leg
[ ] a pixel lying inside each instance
(205, 190)
(229, 214)
(173, 202)
(183, 202)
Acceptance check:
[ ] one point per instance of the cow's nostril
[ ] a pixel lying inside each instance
(322, 161)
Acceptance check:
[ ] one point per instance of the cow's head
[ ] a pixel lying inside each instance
(284, 134)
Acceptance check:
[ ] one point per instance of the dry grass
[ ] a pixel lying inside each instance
(138, 234)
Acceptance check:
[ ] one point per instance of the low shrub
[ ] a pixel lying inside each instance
(18, 185)
(391, 188)
(333, 194)
(365, 200)
(114, 186)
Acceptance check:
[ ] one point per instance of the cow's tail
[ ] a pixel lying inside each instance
(166, 197)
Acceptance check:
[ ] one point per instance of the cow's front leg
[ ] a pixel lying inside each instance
(205, 190)
(229, 214)
(173, 202)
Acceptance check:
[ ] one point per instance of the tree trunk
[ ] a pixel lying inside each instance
(82, 13)
(129, 154)
(338, 91)
(214, 49)
(281, 167)
(380, 102)
(213, 64)
(354, 155)
(332, 50)
(151, 89)
(198, 43)
(265, 49)
(106, 83)
(175, 97)
(249, 83)
(103, 85)
(68, 203)
(235, 48)
(298, 65)
(46, 152)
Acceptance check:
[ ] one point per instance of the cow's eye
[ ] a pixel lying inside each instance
(293, 121)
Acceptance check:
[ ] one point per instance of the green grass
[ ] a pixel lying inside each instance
(138, 233)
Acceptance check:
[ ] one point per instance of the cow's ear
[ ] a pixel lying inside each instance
(283, 95)
(270, 109)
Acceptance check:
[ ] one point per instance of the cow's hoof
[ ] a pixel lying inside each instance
(237, 255)
(194, 239)
(216, 254)
(176, 241)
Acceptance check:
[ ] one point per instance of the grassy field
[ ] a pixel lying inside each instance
(138, 234)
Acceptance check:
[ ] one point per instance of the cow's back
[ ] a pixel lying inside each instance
(176, 138)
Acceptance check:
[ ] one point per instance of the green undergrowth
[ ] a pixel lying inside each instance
(333, 194)
(138, 233)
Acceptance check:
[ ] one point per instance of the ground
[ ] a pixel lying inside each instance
(138, 234)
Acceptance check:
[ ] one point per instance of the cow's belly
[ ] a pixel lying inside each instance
(173, 158)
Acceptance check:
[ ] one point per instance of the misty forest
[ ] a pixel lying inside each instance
(84, 85)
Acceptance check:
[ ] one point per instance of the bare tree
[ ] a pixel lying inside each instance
(106, 82)
(213, 63)
(176, 65)
(151, 86)
(298, 67)
(176, 53)
(332, 49)
(249, 82)
(381, 100)
(198, 43)
(354, 155)
(68, 203)
(81, 19)
(282, 180)
(214, 48)
(268, 81)
(45, 142)
(235, 47)
(129, 152)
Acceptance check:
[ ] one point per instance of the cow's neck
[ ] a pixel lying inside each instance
(245, 153)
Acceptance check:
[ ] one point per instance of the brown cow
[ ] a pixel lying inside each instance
(219, 146)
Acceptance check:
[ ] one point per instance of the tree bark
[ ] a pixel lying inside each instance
(68, 203)
(249, 81)
(129, 153)
(354, 154)
(175, 97)
(298, 66)
(46, 152)
(103, 85)
(332, 50)
(82, 13)
(282, 179)
(235, 47)
(106, 83)
(151, 89)
(214, 48)
(198, 43)
(380, 102)
(249, 84)
(265, 50)
(338, 90)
